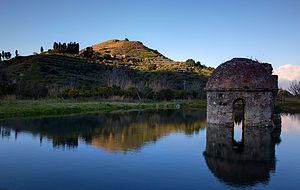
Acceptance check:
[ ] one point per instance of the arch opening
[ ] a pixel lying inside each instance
(238, 124)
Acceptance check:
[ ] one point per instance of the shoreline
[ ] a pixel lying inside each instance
(60, 107)
(10, 109)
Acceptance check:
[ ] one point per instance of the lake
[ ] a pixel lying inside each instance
(167, 149)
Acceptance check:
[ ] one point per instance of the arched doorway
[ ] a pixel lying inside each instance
(238, 114)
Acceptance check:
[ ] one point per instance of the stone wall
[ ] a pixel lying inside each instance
(259, 106)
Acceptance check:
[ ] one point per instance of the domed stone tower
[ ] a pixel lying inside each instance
(246, 80)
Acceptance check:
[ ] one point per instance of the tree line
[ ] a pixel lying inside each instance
(72, 47)
(6, 55)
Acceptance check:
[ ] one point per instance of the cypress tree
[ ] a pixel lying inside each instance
(55, 46)
(77, 48)
(64, 46)
(42, 49)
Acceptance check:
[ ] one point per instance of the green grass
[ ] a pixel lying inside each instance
(289, 106)
(56, 107)
(59, 106)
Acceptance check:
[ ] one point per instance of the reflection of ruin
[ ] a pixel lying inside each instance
(241, 167)
(114, 132)
(248, 81)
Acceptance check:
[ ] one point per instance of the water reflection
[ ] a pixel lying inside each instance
(114, 132)
(291, 123)
(243, 163)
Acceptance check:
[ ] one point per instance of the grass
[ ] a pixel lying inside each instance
(289, 106)
(57, 107)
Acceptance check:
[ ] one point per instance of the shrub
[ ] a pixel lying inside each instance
(133, 93)
(149, 93)
(166, 94)
(152, 67)
(190, 63)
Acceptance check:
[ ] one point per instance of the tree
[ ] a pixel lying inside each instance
(198, 63)
(64, 46)
(7, 55)
(190, 63)
(42, 49)
(0, 57)
(17, 53)
(295, 88)
(3, 55)
(77, 48)
(88, 53)
(55, 46)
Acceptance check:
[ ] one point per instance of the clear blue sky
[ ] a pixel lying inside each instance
(211, 31)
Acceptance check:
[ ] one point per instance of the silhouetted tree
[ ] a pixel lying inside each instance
(55, 46)
(7, 55)
(17, 53)
(198, 63)
(3, 55)
(0, 57)
(42, 49)
(77, 48)
(64, 46)
(71, 47)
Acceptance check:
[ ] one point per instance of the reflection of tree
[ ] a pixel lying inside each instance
(114, 132)
(5, 132)
(247, 167)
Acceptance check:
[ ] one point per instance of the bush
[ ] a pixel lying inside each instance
(152, 67)
(149, 93)
(190, 63)
(166, 94)
(133, 93)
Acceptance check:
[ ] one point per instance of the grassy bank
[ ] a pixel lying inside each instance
(291, 105)
(56, 107)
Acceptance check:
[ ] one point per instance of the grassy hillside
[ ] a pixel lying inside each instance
(139, 57)
(51, 74)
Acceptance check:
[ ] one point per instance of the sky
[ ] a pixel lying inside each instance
(210, 31)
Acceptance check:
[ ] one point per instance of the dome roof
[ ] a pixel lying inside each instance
(241, 73)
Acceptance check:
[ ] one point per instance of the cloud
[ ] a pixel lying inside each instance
(286, 74)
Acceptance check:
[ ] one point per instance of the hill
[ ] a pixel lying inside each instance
(126, 48)
(139, 57)
(140, 68)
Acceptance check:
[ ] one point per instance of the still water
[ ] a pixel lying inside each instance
(169, 149)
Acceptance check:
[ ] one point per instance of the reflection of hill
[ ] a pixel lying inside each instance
(113, 132)
(249, 165)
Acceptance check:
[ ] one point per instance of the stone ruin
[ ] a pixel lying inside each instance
(246, 80)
